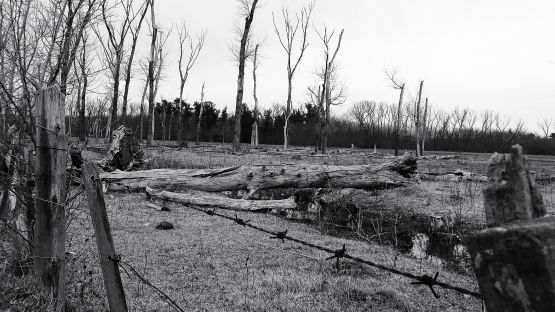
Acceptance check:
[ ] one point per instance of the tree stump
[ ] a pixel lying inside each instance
(514, 260)
(125, 152)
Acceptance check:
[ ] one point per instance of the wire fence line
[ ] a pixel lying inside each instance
(337, 254)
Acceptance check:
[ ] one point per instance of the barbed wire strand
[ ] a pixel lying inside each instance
(425, 280)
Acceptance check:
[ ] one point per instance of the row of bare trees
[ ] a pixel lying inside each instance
(430, 123)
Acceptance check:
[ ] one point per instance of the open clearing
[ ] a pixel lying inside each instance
(211, 264)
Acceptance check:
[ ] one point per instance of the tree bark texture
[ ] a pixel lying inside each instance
(51, 157)
(389, 174)
(399, 117)
(205, 199)
(241, 78)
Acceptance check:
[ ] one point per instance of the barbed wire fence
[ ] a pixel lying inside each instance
(337, 254)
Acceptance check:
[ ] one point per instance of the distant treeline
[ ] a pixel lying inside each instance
(367, 123)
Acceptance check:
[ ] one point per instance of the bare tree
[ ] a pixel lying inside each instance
(195, 46)
(201, 108)
(142, 107)
(424, 128)
(545, 126)
(151, 64)
(159, 59)
(328, 77)
(418, 119)
(255, 63)
(399, 86)
(84, 65)
(114, 51)
(135, 31)
(359, 113)
(287, 42)
(247, 10)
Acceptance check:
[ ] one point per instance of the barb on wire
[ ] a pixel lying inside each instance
(342, 253)
(280, 235)
(428, 281)
(241, 221)
(338, 254)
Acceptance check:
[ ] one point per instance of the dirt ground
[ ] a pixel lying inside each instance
(212, 264)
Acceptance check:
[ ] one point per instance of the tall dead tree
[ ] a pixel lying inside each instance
(199, 120)
(151, 64)
(287, 42)
(142, 105)
(247, 7)
(329, 69)
(114, 53)
(398, 86)
(135, 31)
(83, 94)
(254, 133)
(424, 128)
(418, 120)
(194, 51)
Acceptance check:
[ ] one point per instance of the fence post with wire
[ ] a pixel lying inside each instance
(514, 259)
(108, 258)
(50, 175)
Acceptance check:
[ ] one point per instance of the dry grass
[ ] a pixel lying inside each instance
(211, 264)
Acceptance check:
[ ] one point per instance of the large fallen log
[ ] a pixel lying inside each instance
(394, 172)
(204, 199)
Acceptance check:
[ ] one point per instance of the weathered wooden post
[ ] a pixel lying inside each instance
(514, 259)
(107, 254)
(50, 175)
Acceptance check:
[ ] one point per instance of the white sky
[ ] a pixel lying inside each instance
(481, 54)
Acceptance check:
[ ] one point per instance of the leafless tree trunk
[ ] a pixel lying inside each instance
(399, 86)
(328, 69)
(418, 120)
(241, 76)
(254, 134)
(142, 112)
(134, 36)
(194, 52)
(163, 118)
(201, 108)
(114, 53)
(291, 28)
(424, 128)
(84, 74)
(150, 129)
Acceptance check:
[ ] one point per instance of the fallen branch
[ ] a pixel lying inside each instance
(205, 199)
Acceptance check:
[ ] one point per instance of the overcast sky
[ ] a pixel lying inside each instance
(481, 54)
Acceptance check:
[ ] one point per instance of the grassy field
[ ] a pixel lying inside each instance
(212, 264)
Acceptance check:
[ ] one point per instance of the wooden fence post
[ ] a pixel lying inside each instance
(110, 269)
(50, 175)
(514, 259)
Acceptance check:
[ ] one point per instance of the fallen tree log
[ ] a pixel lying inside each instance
(439, 157)
(392, 173)
(205, 199)
(454, 176)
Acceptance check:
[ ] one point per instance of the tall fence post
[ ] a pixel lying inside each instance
(50, 175)
(106, 251)
(514, 259)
